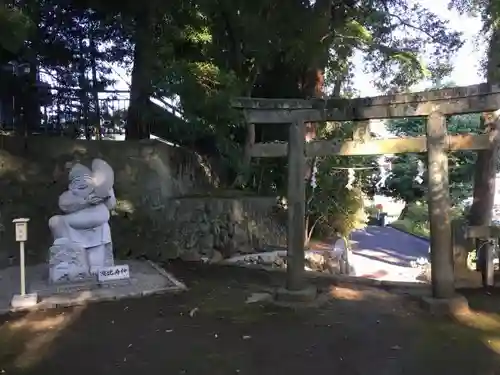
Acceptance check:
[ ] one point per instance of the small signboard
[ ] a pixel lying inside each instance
(21, 232)
(21, 229)
(112, 273)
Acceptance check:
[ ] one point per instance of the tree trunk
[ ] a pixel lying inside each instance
(242, 176)
(141, 85)
(486, 164)
(310, 229)
(313, 86)
(484, 178)
(31, 102)
(404, 212)
(95, 92)
(84, 92)
(31, 97)
(310, 80)
(308, 234)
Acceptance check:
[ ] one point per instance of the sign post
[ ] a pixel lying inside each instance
(22, 300)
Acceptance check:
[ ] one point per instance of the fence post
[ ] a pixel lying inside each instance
(442, 273)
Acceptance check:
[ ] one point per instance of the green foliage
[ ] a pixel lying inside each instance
(409, 226)
(416, 220)
(489, 12)
(14, 28)
(201, 53)
(398, 63)
(418, 213)
(372, 211)
(209, 51)
(331, 206)
(401, 182)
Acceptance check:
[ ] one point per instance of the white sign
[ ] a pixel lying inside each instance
(112, 273)
(21, 229)
(21, 232)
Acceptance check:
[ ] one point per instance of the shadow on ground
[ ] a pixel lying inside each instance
(211, 329)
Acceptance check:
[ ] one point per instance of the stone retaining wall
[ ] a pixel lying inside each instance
(153, 218)
(210, 227)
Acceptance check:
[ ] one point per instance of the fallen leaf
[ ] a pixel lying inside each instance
(246, 337)
(193, 311)
(258, 297)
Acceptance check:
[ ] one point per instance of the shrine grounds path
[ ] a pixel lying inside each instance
(383, 253)
(386, 253)
(210, 330)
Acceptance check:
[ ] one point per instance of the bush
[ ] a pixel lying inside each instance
(418, 213)
(416, 220)
(342, 216)
(409, 226)
(371, 211)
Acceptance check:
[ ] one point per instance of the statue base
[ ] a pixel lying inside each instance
(70, 262)
(146, 278)
(24, 301)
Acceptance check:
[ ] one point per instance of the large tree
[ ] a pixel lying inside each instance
(208, 49)
(254, 49)
(487, 160)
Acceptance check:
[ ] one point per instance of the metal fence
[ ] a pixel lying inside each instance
(79, 114)
(73, 113)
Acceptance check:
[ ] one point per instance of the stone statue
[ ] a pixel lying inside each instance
(82, 235)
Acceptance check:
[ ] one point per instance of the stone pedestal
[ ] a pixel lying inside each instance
(445, 306)
(306, 294)
(67, 262)
(71, 262)
(24, 301)
(100, 256)
(308, 297)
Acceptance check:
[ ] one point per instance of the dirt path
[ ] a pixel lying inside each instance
(360, 331)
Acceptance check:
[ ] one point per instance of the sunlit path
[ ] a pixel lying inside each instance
(385, 253)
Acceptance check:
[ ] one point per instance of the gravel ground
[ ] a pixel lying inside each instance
(210, 329)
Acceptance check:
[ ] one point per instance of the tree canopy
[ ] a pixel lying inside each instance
(202, 52)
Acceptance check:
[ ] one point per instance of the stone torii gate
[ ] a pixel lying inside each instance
(435, 105)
